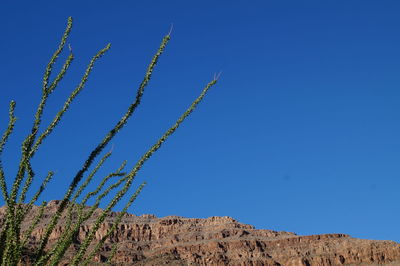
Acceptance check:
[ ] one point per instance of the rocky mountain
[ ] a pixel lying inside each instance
(173, 240)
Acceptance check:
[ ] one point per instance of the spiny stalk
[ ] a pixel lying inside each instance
(92, 193)
(12, 246)
(90, 176)
(37, 194)
(35, 222)
(49, 90)
(58, 118)
(3, 141)
(28, 142)
(12, 249)
(103, 182)
(62, 73)
(120, 124)
(70, 99)
(56, 54)
(112, 254)
(28, 182)
(69, 233)
(6, 230)
(134, 171)
(114, 227)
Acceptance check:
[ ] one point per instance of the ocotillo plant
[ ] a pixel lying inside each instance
(13, 242)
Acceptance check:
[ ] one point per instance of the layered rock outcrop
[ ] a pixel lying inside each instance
(173, 240)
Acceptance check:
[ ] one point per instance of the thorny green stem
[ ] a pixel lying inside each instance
(52, 224)
(34, 223)
(68, 235)
(12, 246)
(12, 249)
(134, 171)
(3, 141)
(114, 227)
(121, 123)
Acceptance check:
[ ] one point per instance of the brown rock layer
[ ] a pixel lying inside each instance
(173, 240)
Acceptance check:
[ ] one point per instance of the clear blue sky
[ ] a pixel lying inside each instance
(301, 134)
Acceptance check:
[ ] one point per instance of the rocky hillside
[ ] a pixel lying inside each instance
(173, 240)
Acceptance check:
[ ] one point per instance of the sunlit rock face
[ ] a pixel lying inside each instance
(173, 240)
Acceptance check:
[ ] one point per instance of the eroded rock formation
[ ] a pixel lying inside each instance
(173, 240)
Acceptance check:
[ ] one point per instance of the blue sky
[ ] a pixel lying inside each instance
(301, 133)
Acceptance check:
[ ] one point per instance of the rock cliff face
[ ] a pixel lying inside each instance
(173, 240)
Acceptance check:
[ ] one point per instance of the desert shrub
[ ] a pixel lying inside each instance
(13, 242)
